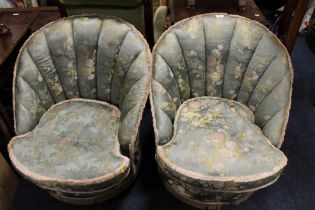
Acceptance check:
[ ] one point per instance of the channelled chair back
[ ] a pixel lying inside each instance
(220, 93)
(223, 56)
(80, 87)
(86, 57)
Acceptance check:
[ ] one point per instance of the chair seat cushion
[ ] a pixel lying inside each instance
(74, 146)
(216, 143)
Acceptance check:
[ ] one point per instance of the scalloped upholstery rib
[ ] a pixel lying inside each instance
(83, 57)
(222, 56)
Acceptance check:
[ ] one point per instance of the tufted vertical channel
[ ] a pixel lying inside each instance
(220, 99)
(83, 57)
(80, 87)
(222, 56)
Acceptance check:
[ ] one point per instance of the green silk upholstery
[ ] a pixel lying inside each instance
(86, 57)
(217, 137)
(229, 57)
(83, 57)
(75, 139)
(220, 97)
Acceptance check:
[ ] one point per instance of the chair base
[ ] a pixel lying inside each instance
(203, 205)
(93, 198)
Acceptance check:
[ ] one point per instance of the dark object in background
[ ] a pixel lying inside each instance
(190, 4)
(215, 5)
(178, 9)
(270, 4)
(310, 37)
(290, 22)
(4, 30)
(8, 184)
(137, 12)
(52, 2)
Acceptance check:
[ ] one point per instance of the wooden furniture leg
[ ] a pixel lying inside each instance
(290, 22)
(242, 5)
(6, 129)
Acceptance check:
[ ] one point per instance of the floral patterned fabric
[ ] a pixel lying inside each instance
(220, 97)
(75, 139)
(219, 192)
(223, 56)
(80, 87)
(217, 138)
(83, 57)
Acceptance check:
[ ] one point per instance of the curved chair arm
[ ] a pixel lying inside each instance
(165, 99)
(134, 94)
(159, 21)
(47, 73)
(232, 57)
(31, 95)
(28, 112)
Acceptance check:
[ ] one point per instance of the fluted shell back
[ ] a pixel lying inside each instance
(224, 56)
(82, 57)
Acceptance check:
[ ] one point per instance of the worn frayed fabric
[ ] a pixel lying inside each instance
(75, 140)
(52, 150)
(223, 60)
(102, 59)
(220, 97)
(217, 137)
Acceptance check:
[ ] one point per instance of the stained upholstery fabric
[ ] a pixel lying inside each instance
(222, 56)
(84, 57)
(80, 87)
(76, 139)
(215, 137)
(220, 97)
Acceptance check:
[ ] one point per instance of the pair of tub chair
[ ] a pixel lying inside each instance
(220, 98)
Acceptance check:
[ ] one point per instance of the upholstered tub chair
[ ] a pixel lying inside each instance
(220, 99)
(80, 87)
